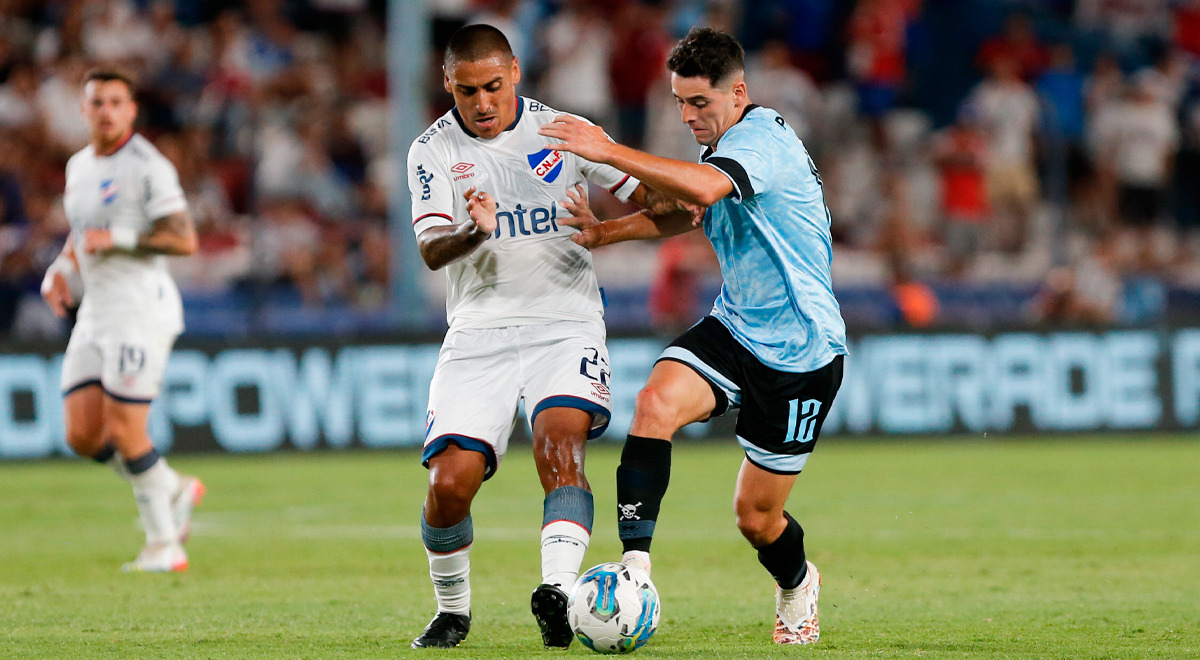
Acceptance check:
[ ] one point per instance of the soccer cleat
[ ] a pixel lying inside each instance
(445, 631)
(638, 560)
(159, 558)
(796, 611)
(191, 492)
(549, 605)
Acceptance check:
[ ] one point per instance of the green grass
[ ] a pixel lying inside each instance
(1029, 548)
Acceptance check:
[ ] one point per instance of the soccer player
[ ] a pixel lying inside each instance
(526, 322)
(774, 342)
(126, 210)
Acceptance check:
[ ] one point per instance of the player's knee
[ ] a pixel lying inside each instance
(84, 440)
(656, 412)
(451, 491)
(755, 524)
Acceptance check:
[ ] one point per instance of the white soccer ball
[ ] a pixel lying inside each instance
(613, 608)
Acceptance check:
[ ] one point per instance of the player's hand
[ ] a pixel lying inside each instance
(591, 230)
(96, 241)
(57, 294)
(697, 212)
(578, 137)
(482, 209)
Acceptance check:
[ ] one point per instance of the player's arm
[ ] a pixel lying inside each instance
(174, 234)
(672, 218)
(56, 290)
(447, 243)
(693, 183)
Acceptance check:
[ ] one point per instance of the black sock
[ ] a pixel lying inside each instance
(784, 557)
(642, 480)
(106, 452)
(143, 462)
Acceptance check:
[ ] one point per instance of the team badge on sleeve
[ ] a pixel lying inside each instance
(547, 164)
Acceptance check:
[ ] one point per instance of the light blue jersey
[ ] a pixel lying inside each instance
(771, 236)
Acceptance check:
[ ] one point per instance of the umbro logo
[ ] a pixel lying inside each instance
(462, 170)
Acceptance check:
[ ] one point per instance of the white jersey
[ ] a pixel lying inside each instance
(528, 271)
(132, 187)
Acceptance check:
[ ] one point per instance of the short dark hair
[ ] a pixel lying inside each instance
(110, 74)
(709, 53)
(476, 42)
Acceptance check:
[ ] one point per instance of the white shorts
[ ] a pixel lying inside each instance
(127, 360)
(482, 375)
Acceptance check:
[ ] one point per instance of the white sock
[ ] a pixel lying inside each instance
(563, 546)
(117, 465)
(153, 490)
(451, 575)
(638, 559)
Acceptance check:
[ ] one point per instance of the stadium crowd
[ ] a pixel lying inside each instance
(1047, 148)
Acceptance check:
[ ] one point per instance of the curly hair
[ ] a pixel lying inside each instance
(709, 53)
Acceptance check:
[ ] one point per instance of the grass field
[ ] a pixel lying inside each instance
(1017, 548)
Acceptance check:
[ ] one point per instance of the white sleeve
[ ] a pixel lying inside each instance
(429, 187)
(620, 184)
(163, 195)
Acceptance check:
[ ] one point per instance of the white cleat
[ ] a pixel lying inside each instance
(191, 492)
(796, 611)
(159, 558)
(638, 560)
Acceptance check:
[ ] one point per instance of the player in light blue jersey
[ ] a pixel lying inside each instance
(774, 342)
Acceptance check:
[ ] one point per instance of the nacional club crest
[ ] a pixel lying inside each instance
(547, 164)
(108, 191)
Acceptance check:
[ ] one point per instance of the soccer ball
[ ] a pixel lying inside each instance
(613, 608)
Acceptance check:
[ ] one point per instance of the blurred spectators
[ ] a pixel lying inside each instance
(1136, 141)
(1008, 110)
(1018, 43)
(875, 57)
(641, 45)
(578, 39)
(1056, 176)
(961, 154)
(785, 88)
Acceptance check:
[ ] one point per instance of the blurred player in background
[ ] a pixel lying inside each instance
(526, 322)
(126, 210)
(774, 341)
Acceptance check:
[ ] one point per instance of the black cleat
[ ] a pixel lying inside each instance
(444, 632)
(549, 605)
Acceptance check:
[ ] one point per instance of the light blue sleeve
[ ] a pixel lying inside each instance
(745, 155)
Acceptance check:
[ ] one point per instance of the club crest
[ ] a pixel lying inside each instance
(547, 164)
(108, 191)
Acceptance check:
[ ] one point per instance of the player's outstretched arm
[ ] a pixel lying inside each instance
(644, 225)
(693, 183)
(174, 235)
(442, 245)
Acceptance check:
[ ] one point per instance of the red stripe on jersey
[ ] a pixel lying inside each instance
(617, 187)
(440, 215)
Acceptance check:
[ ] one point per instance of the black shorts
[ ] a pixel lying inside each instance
(781, 412)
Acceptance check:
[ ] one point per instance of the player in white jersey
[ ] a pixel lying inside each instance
(126, 210)
(525, 319)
